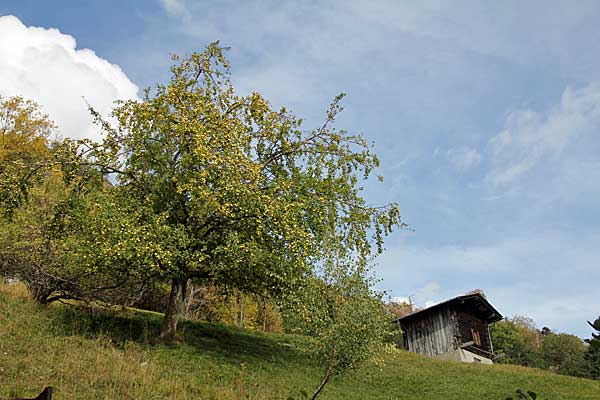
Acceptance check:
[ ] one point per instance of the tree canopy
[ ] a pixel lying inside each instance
(24, 147)
(225, 189)
(41, 181)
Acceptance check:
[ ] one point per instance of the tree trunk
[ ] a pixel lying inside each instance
(264, 312)
(240, 300)
(174, 308)
(326, 378)
(188, 309)
(39, 288)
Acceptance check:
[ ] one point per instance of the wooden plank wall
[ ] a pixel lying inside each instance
(466, 322)
(433, 334)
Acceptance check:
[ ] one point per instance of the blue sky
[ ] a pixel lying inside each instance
(486, 117)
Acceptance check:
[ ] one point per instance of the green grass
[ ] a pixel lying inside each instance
(115, 356)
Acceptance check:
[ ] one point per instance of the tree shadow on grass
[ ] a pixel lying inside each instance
(229, 344)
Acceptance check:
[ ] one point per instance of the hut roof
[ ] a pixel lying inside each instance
(475, 301)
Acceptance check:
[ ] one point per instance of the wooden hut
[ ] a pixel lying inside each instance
(455, 329)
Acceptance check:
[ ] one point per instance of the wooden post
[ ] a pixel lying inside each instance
(490, 339)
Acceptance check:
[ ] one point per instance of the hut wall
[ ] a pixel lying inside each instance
(468, 322)
(432, 334)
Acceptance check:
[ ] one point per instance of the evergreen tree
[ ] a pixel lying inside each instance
(592, 355)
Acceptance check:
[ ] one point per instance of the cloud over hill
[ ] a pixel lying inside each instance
(45, 65)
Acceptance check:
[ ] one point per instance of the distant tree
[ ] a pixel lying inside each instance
(564, 354)
(24, 148)
(592, 356)
(545, 331)
(517, 340)
(398, 309)
(232, 307)
(528, 330)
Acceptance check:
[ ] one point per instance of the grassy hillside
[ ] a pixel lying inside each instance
(99, 356)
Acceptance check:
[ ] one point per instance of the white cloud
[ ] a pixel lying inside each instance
(45, 65)
(426, 294)
(430, 303)
(400, 300)
(530, 137)
(176, 8)
(463, 158)
(435, 41)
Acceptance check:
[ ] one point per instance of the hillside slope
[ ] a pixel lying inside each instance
(98, 356)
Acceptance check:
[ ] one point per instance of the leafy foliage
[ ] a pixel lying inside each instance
(344, 316)
(564, 354)
(518, 340)
(521, 343)
(232, 192)
(27, 247)
(24, 133)
(102, 251)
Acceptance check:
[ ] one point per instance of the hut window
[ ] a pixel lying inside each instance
(476, 337)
